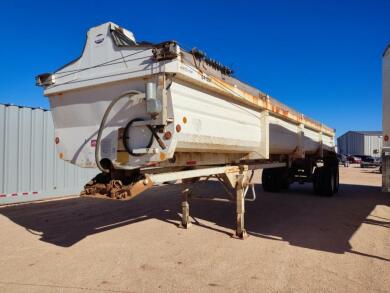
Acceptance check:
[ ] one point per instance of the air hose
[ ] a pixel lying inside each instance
(126, 137)
(130, 95)
(152, 130)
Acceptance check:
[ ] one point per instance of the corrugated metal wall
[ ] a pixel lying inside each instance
(351, 143)
(373, 145)
(29, 166)
(355, 143)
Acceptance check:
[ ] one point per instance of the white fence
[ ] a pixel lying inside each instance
(29, 166)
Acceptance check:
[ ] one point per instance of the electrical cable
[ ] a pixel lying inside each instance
(130, 95)
(106, 63)
(127, 137)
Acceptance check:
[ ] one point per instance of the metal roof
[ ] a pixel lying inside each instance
(19, 106)
(367, 132)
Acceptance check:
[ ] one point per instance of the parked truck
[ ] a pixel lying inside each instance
(148, 113)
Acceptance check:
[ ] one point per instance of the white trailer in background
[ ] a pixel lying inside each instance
(386, 120)
(150, 113)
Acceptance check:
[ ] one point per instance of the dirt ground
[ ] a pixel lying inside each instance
(298, 242)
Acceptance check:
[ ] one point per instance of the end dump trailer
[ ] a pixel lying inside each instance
(386, 120)
(151, 113)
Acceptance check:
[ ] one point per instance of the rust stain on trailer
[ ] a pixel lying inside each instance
(122, 157)
(265, 102)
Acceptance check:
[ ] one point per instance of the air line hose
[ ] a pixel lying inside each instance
(154, 135)
(130, 95)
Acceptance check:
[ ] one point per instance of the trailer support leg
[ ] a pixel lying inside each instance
(240, 208)
(185, 207)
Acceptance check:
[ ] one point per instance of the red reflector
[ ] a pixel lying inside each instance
(35, 192)
(3, 195)
(93, 143)
(57, 140)
(191, 162)
(167, 135)
(25, 193)
(14, 194)
(152, 164)
(386, 138)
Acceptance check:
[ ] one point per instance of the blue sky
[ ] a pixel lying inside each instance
(322, 58)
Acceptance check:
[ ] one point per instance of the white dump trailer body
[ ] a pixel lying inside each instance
(150, 113)
(386, 120)
(206, 116)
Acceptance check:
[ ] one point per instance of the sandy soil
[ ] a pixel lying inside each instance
(298, 242)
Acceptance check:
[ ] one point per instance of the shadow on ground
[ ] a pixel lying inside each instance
(295, 216)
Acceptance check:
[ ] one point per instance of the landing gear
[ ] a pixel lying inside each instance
(240, 207)
(236, 185)
(185, 210)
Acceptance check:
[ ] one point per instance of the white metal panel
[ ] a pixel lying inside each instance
(328, 141)
(386, 120)
(311, 140)
(214, 123)
(128, 62)
(29, 166)
(386, 97)
(78, 114)
(373, 145)
(283, 136)
(2, 146)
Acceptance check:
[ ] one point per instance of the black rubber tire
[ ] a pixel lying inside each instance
(325, 181)
(285, 184)
(328, 182)
(316, 181)
(337, 180)
(268, 180)
(275, 179)
(331, 163)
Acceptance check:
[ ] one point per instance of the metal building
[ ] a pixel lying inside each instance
(29, 166)
(367, 143)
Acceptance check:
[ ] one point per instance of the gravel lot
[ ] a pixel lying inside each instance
(298, 242)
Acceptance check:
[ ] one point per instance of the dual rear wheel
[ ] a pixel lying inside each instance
(325, 179)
